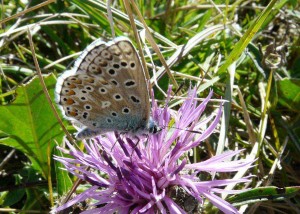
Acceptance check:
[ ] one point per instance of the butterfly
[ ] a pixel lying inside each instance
(106, 90)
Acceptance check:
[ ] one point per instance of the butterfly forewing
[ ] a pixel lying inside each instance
(107, 91)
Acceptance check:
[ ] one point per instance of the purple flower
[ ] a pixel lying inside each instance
(151, 174)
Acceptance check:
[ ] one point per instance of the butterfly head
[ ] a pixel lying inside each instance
(153, 127)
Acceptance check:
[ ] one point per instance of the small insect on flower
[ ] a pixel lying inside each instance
(154, 176)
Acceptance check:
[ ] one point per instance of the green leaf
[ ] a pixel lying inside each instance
(28, 124)
(247, 37)
(13, 197)
(264, 194)
(63, 180)
(289, 93)
(36, 190)
(36, 200)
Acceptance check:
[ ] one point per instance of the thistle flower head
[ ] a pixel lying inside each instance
(151, 174)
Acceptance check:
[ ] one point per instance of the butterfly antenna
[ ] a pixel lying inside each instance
(117, 138)
(192, 131)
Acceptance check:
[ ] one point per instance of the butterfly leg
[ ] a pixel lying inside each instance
(134, 147)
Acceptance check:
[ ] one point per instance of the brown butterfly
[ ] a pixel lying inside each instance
(107, 90)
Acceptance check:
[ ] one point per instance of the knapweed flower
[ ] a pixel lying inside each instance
(151, 174)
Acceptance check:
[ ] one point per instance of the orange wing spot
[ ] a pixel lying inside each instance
(78, 81)
(103, 63)
(72, 86)
(70, 101)
(115, 50)
(90, 80)
(99, 71)
(71, 92)
(73, 114)
(104, 82)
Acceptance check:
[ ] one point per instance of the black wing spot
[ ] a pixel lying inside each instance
(85, 115)
(134, 99)
(129, 83)
(117, 97)
(102, 90)
(125, 110)
(88, 107)
(124, 64)
(114, 82)
(132, 65)
(112, 72)
(89, 88)
(116, 66)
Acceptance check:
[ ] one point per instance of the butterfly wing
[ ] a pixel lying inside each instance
(107, 89)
